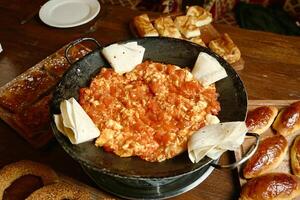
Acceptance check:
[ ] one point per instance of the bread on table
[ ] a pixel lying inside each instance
(273, 186)
(198, 40)
(60, 191)
(288, 120)
(225, 47)
(13, 171)
(260, 119)
(267, 157)
(166, 27)
(295, 156)
(26, 89)
(186, 26)
(200, 16)
(144, 26)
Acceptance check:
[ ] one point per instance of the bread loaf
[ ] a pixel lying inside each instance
(295, 156)
(144, 26)
(225, 47)
(166, 27)
(288, 120)
(261, 118)
(268, 156)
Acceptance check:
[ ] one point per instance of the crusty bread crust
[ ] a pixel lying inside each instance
(288, 120)
(60, 191)
(273, 186)
(166, 27)
(261, 118)
(144, 26)
(268, 156)
(295, 156)
(13, 171)
(24, 101)
(225, 47)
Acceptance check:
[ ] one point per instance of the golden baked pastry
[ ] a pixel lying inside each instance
(273, 186)
(295, 156)
(288, 120)
(166, 27)
(35, 119)
(13, 171)
(199, 15)
(261, 118)
(186, 26)
(24, 101)
(59, 191)
(198, 40)
(268, 156)
(225, 47)
(143, 26)
(25, 90)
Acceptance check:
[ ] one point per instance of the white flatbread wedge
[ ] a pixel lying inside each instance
(213, 140)
(124, 57)
(75, 123)
(207, 69)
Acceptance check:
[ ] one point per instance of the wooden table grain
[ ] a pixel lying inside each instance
(272, 71)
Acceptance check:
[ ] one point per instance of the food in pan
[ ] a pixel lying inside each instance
(225, 47)
(166, 27)
(124, 57)
(60, 191)
(273, 186)
(74, 123)
(288, 120)
(11, 172)
(216, 138)
(295, 156)
(207, 70)
(268, 156)
(261, 118)
(143, 26)
(149, 112)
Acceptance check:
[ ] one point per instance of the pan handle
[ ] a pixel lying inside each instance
(72, 44)
(249, 153)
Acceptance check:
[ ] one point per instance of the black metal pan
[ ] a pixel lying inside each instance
(233, 100)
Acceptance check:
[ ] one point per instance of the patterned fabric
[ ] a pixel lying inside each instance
(222, 10)
(228, 18)
(219, 7)
(293, 8)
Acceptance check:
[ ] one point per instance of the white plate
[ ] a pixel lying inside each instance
(69, 13)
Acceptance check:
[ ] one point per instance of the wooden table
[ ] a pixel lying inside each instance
(272, 71)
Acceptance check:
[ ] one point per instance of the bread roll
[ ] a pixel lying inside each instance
(261, 118)
(225, 47)
(143, 26)
(11, 172)
(268, 156)
(295, 156)
(186, 26)
(199, 15)
(288, 120)
(166, 27)
(273, 186)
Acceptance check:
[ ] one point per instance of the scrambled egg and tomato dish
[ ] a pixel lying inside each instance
(149, 112)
